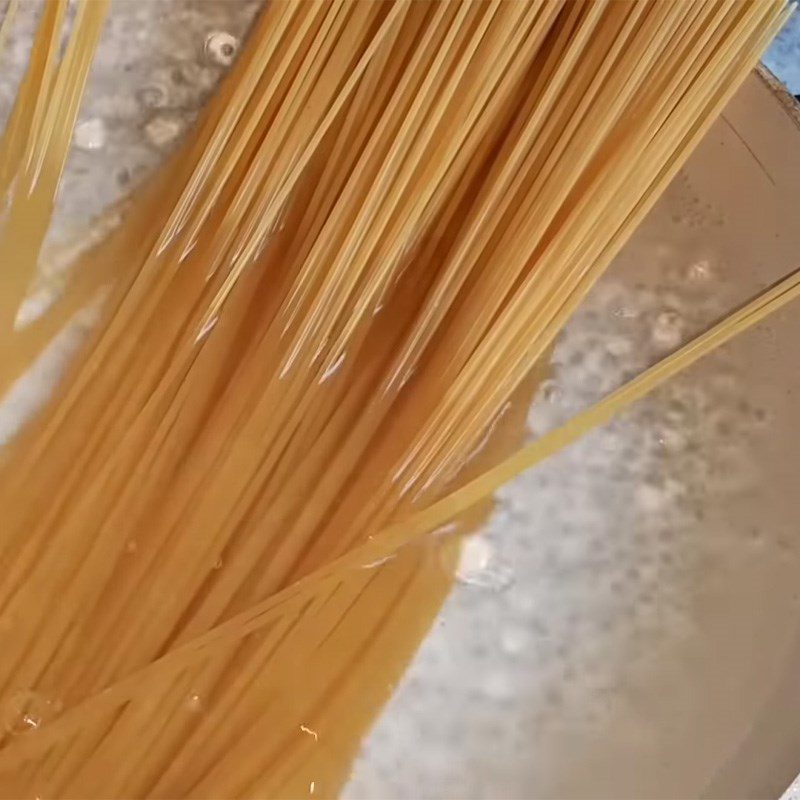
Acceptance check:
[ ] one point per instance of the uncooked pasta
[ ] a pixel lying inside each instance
(322, 320)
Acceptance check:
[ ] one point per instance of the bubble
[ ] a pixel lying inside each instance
(676, 412)
(90, 134)
(26, 710)
(476, 554)
(152, 96)
(131, 547)
(668, 329)
(186, 84)
(220, 48)
(619, 346)
(195, 702)
(551, 391)
(699, 271)
(576, 359)
(478, 566)
(178, 76)
(162, 131)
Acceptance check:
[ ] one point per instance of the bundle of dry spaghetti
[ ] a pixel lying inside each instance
(213, 557)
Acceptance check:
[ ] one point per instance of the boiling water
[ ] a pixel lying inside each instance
(593, 573)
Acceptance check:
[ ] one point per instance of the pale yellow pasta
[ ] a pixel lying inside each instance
(213, 546)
